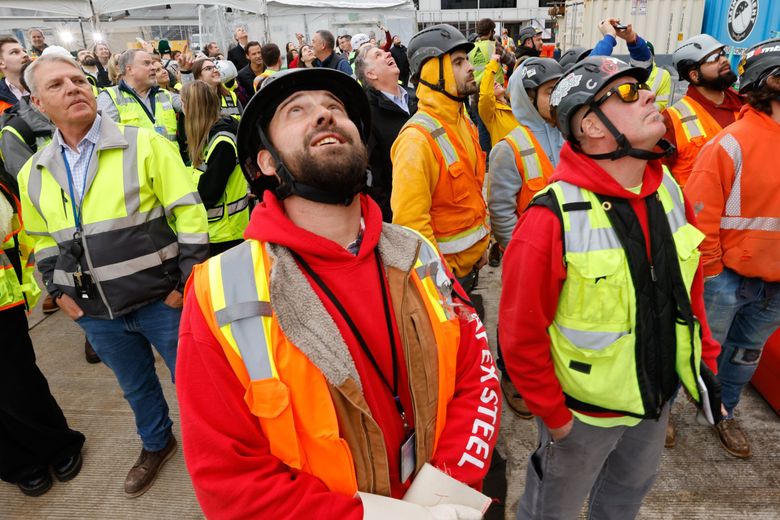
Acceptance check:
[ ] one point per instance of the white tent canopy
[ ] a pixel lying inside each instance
(120, 21)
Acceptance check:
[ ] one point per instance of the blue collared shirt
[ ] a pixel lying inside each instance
(78, 159)
(401, 101)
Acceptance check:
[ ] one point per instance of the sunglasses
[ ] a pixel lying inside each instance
(712, 58)
(627, 93)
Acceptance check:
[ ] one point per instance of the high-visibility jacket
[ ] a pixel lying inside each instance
(230, 105)
(132, 113)
(143, 224)
(660, 82)
(593, 335)
(532, 164)
(92, 80)
(312, 423)
(458, 209)
(735, 192)
(24, 131)
(480, 56)
(17, 261)
(693, 128)
(229, 217)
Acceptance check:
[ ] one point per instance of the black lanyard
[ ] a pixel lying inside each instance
(361, 341)
(152, 100)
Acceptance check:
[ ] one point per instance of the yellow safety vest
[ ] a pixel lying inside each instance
(230, 216)
(593, 332)
(14, 291)
(480, 56)
(132, 113)
(230, 106)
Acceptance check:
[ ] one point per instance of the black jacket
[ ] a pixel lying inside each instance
(246, 80)
(387, 118)
(238, 56)
(6, 94)
(402, 61)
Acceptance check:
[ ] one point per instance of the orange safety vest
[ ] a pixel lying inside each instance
(532, 163)
(458, 209)
(288, 393)
(693, 128)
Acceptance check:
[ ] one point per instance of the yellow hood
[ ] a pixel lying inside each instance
(436, 103)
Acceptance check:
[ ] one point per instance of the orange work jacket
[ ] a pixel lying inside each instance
(299, 410)
(693, 128)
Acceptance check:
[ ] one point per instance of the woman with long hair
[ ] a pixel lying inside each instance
(306, 57)
(211, 143)
(206, 70)
(163, 76)
(102, 52)
(292, 55)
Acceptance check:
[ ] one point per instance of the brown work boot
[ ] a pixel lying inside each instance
(89, 353)
(495, 254)
(671, 433)
(146, 468)
(49, 305)
(514, 399)
(733, 439)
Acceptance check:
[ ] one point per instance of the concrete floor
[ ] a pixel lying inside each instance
(698, 480)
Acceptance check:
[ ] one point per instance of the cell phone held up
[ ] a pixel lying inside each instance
(620, 27)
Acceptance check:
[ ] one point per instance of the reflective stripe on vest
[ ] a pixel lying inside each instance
(130, 111)
(733, 218)
(289, 394)
(522, 142)
(459, 242)
(225, 219)
(439, 134)
(593, 343)
(229, 105)
(689, 119)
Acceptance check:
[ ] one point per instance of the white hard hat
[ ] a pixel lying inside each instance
(358, 40)
(58, 51)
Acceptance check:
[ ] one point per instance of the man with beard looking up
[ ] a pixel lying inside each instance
(438, 165)
(709, 105)
(88, 63)
(345, 342)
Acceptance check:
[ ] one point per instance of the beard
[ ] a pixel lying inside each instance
(722, 82)
(89, 61)
(335, 171)
(467, 87)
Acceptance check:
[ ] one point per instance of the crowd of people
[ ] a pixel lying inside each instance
(299, 235)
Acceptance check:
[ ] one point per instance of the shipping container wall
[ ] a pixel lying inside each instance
(665, 23)
(740, 24)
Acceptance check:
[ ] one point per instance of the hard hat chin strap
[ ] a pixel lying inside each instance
(289, 186)
(439, 87)
(624, 146)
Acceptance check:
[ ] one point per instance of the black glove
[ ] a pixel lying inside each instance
(712, 386)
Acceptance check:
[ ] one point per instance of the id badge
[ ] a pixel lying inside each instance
(408, 457)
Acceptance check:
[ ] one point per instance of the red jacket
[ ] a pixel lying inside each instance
(534, 262)
(228, 458)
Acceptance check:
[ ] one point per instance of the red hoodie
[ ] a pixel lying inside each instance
(534, 261)
(228, 458)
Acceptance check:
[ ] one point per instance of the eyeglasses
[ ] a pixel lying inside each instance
(627, 93)
(712, 58)
(208, 68)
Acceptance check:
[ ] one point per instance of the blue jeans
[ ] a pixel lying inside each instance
(125, 344)
(742, 313)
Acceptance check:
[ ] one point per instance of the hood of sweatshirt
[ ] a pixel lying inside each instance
(270, 223)
(37, 122)
(582, 171)
(526, 114)
(436, 103)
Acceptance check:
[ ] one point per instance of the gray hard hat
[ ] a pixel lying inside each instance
(434, 42)
(573, 56)
(579, 86)
(758, 62)
(537, 71)
(527, 32)
(690, 53)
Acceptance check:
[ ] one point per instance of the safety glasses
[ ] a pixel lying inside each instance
(627, 93)
(712, 58)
